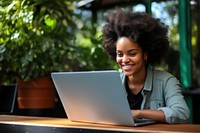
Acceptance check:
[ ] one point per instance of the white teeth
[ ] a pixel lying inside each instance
(127, 66)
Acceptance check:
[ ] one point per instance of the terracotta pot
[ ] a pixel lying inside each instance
(36, 93)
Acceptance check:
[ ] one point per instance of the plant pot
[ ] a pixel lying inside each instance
(37, 93)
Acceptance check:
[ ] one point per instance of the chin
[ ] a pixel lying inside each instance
(128, 73)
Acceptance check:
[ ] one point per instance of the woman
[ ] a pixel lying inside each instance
(137, 41)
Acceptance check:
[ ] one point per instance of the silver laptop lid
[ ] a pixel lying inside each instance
(93, 96)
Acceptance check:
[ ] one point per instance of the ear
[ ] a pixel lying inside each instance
(145, 56)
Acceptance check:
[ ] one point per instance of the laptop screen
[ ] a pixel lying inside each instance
(93, 96)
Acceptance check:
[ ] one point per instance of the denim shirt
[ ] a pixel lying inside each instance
(162, 91)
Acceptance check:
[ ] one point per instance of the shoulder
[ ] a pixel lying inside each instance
(161, 78)
(166, 78)
(162, 75)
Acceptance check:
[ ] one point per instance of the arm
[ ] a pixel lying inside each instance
(166, 96)
(157, 115)
(176, 110)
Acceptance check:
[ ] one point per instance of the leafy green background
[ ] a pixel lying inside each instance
(38, 37)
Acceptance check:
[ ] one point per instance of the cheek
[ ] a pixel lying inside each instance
(118, 60)
(139, 60)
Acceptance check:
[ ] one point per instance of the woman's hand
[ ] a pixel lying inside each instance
(135, 114)
(157, 115)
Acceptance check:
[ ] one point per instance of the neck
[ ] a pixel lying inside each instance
(136, 82)
(138, 78)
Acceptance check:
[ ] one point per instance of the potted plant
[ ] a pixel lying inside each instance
(37, 38)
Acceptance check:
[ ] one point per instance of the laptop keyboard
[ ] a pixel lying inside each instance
(142, 120)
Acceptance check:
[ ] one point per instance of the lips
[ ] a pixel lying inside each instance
(127, 67)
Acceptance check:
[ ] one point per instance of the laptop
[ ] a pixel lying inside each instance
(95, 97)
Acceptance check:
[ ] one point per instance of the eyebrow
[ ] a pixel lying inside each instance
(128, 50)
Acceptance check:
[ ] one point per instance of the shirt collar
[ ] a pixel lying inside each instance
(149, 80)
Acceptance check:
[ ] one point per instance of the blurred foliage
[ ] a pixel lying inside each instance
(89, 39)
(38, 37)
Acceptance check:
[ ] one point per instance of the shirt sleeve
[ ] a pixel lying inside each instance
(176, 110)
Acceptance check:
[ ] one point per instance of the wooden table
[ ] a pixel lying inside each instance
(27, 124)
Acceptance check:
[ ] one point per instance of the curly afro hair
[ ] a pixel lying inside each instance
(150, 33)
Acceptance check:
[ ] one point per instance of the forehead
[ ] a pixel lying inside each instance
(125, 43)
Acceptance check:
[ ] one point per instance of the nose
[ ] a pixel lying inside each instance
(125, 59)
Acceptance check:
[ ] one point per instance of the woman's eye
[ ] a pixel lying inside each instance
(132, 54)
(119, 55)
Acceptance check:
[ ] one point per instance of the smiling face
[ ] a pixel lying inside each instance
(130, 57)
